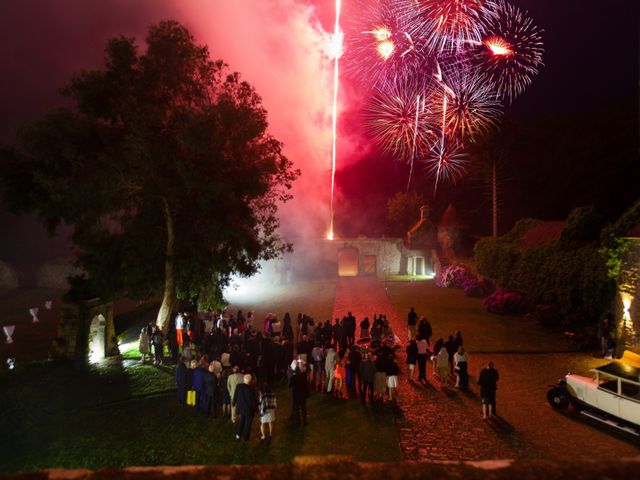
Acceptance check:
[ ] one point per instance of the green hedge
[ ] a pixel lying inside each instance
(570, 273)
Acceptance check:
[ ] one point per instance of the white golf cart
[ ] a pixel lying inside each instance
(610, 395)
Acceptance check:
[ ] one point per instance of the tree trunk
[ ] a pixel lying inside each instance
(494, 199)
(169, 298)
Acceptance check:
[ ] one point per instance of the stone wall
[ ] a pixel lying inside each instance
(72, 341)
(628, 300)
(386, 253)
(342, 468)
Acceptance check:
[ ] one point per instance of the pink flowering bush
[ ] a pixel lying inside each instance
(453, 276)
(505, 303)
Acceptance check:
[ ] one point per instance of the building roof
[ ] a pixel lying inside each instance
(541, 234)
(450, 218)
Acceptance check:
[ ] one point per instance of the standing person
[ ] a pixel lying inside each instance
(232, 383)
(172, 340)
(144, 344)
(199, 374)
(364, 328)
(287, 329)
(457, 340)
(488, 381)
(246, 404)
(355, 359)
(425, 330)
(442, 367)
(299, 393)
(461, 360)
(182, 381)
(451, 350)
(267, 408)
(392, 377)
(304, 348)
(339, 376)
(380, 378)
(211, 379)
(158, 345)
(422, 347)
(317, 354)
(412, 324)
(367, 377)
(179, 327)
(330, 360)
(350, 329)
(412, 358)
(226, 399)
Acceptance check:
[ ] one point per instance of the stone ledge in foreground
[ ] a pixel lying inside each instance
(336, 467)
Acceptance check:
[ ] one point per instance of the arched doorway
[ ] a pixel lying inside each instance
(348, 262)
(97, 338)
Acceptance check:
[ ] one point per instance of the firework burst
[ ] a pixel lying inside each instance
(511, 49)
(445, 25)
(399, 119)
(475, 55)
(472, 106)
(446, 160)
(379, 44)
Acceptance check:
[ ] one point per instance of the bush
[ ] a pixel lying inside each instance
(574, 273)
(505, 303)
(547, 315)
(453, 276)
(477, 287)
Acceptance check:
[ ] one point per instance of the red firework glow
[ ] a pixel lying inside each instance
(498, 46)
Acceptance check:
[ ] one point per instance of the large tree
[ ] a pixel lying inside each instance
(165, 170)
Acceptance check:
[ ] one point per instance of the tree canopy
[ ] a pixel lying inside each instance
(165, 170)
(403, 210)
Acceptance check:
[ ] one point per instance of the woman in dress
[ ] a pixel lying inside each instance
(267, 408)
(380, 378)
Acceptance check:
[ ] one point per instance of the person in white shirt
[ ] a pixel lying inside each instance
(179, 327)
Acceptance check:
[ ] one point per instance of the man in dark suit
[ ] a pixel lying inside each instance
(299, 388)
(211, 390)
(246, 405)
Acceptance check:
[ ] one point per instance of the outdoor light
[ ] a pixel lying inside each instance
(11, 363)
(8, 331)
(48, 304)
(34, 313)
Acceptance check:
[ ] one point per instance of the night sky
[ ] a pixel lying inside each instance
(576, 139)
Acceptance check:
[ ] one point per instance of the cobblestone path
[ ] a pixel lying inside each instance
(432, 424)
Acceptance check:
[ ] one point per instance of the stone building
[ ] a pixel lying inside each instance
(85, 330)
(627, 304)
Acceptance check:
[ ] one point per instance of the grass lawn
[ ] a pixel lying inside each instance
(54, 416)
(450, 309)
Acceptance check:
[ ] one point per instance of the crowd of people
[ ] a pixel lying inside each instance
(232, 362)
